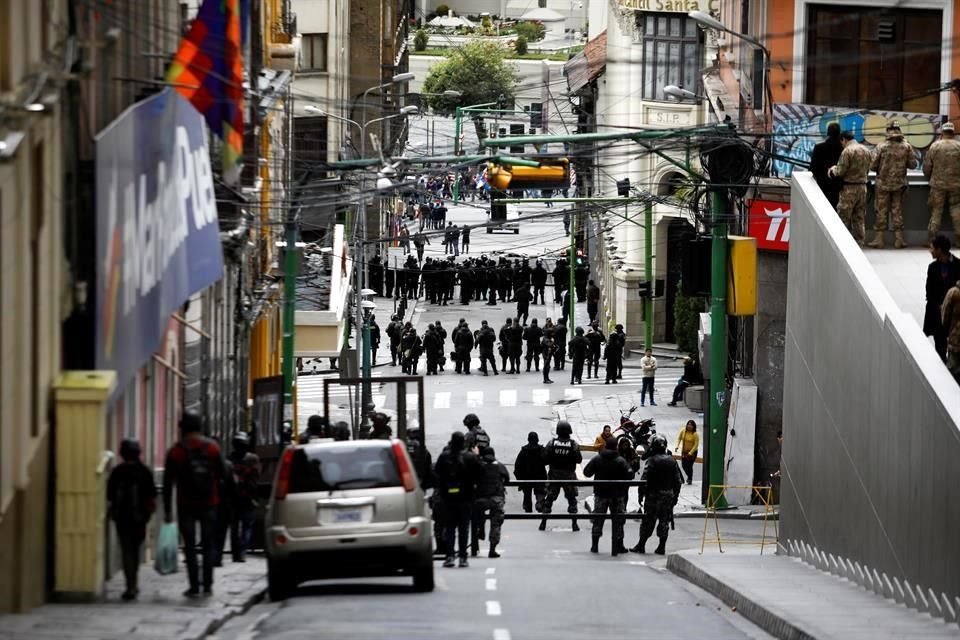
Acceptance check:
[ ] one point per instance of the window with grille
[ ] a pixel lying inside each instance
(672, 53)
(313, 50)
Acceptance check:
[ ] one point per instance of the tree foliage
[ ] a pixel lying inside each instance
(420, 40)
(442, 10)
(520, 45)
(686, 315)
(477, 70)
(532, 31)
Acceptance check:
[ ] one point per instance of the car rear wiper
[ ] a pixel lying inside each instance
(377, 482)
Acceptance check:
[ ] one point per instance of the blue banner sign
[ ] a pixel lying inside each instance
(157, 233)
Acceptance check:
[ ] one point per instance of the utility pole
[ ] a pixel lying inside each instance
(718, 341)
(648, 274)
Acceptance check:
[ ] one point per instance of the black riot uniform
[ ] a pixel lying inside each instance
(562, 455)
(433, 348)
(560, 341)
(530, 465)
(579, 347)
(422, 460)
(661, 489)
(515, 346)
(395, 333)
(532, 336)
(596, 339)
(489, 498)
(609, 465)
(485, 341)
(504, 337)
(539, 279)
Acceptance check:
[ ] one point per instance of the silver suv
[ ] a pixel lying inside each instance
(347, 509)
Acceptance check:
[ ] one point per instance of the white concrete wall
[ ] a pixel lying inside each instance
(871, 417)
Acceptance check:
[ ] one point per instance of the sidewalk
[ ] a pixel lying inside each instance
(161, 611)
(790, 599)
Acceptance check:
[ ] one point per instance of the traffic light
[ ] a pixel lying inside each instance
(645, 289)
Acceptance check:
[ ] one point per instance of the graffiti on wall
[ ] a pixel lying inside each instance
(798, 127)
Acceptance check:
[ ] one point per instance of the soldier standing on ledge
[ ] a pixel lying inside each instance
(853, 167)
(941, 166)
(891, 159)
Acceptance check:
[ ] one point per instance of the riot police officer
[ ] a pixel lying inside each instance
(476, 437)
(563, 455)
(489, 497)
(661, 480)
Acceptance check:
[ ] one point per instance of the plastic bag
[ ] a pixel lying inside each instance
(168, 543)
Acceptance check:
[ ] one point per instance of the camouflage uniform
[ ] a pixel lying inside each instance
(853, 167)
(891, 159)
(950, 314)
(941, 166)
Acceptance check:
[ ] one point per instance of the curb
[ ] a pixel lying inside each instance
(230, 612)
(770, 621)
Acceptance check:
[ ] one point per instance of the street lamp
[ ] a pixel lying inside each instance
(679, 93)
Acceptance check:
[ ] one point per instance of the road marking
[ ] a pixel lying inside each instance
(491, 571)
(541, 397)
(493, 608)
(441, 400)
(508, 397)
(573, 394)
(638, 563)
(474, 398)
(491, 584)
(501, 634)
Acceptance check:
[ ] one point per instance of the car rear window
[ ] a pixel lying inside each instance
(331, 468)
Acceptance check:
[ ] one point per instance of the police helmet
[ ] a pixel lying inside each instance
(564, 429)
(241, 438)
(471, 420)
(394, 317)
(658, 443)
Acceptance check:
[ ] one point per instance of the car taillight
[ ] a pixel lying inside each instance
(403, 465)
(283, 474)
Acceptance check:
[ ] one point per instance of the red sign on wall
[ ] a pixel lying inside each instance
(770, 224)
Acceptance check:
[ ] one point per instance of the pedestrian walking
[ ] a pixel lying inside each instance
(825, 155)
(688, 443)
(942, 273)
(420, 242)
(194, 465)
(891, 160)
(531, 465)
(456, 475)
(246, 471)
(648, 365)
(489, 501)
(941, 166)
(562, 455)
(132, 498)
(661, 482)
(950, 316)
(852, 168)
(608, 465)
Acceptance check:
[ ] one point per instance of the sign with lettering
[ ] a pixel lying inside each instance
(668, 117)
(158, 240)
(681, 6)
(770, 225)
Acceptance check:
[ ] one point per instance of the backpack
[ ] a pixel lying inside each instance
(453, 478)
(198, 485)
(128, 505)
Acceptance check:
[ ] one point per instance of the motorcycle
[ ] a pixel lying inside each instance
(638, 433)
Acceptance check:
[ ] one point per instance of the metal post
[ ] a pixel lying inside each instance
(366, 401)
(718, 339)
(648, 274)
(456, 152)
(289, 308)
(573, 256)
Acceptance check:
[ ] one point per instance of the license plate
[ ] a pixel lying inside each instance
(348, 515)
